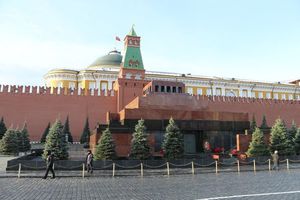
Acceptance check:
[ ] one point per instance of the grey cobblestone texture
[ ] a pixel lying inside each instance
(185, 186)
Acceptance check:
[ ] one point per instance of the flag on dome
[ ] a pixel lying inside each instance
(118, 39)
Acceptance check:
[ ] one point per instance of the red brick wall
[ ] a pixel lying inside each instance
(39, 109)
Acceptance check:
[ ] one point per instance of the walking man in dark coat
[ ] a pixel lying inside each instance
(89, 162)
(50, 160)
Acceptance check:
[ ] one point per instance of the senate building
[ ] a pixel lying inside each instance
(103, 72)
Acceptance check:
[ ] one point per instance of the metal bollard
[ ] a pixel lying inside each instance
(269, 164)
(83, 169)
(114, 167)
(216, 167)
(193, 168)
(238, 166)
(254, 166)
(142, 170)
(19, 171)
(168, 169)
(287, 164)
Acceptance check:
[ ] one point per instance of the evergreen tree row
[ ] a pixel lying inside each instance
(285, 141)
(172, 145)
(14, 141)
(66, 132)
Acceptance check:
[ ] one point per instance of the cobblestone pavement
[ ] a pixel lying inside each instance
(186, 186)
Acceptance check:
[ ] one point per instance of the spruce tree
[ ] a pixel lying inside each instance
(297, 142)
(253, 124)
(173, 144)
(55, 142)
(257, 146)
(2, 128)
(45, 133)
(264, 124)
(139, 144)
(9, 143)
(66, 131)
(25, 142)
(279, 139)
(292, 132)
(85, 136)
(105, 150)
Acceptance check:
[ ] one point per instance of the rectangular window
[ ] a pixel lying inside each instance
(174, 89)
(291, 97)
(245, 93)
(208, 91)
(268, 95)
(162, 88)
(218, 91)
(71, 85)
(60, 84)
(275, 95)
(190, 90)
(168, 89)
(199, 91)
(104, 86)
(156, 88)
(283, 96)
(92, 85)
(253, 94)
(260, 95)
(298, 97)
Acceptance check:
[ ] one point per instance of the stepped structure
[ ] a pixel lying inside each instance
(117, 91)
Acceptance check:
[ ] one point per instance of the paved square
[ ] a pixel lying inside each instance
(186, 186)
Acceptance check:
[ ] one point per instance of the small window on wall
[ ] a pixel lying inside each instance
(174, 89)
(156, 88)
(72, 85)
(59, 84)
(168, 89)
(275, 95)
(218, 91)
(208, 91)
(253, 95)
(268, 95)
(245, 93)
(92, 85)
(283, 96)
(291, 97)
(179, 89)
(260, 95)
(199, 91)
(190, 90)
(298, 97)
(162, 88)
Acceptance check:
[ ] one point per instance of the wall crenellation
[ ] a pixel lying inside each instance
(41, 90)
(250, 100)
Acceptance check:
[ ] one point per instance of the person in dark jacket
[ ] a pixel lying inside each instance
(50, 161)
(89, 162)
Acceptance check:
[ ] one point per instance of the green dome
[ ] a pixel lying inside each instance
(113, 58)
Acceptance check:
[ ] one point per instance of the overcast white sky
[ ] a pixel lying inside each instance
(243, 39)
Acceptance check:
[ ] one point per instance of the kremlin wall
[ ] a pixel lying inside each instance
(132, 96)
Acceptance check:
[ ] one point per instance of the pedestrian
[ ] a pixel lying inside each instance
(50, 161)
(275, 160)
(89, 162)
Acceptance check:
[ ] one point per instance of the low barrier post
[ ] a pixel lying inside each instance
(193, 168)
(19, 171)
(254, 166)
(83, 170)
(114, 167)
(216, 167)
(287, 164)
(168, 169)
(269, 164)
(238, 166)
(142, 170)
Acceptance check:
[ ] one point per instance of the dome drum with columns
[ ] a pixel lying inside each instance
(103, 72)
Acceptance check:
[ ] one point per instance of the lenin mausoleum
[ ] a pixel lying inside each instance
(117, 90)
